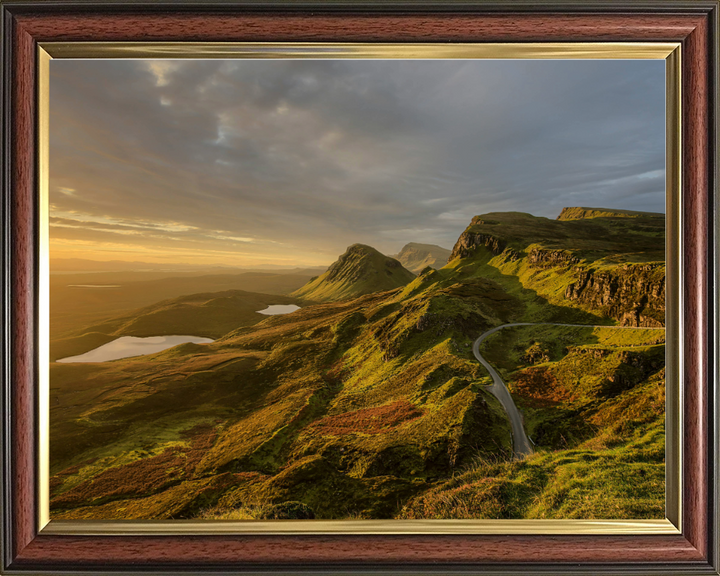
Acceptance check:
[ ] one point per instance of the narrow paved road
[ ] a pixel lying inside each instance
(521, 443)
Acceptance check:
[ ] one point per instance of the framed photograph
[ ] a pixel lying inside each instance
(363, 288)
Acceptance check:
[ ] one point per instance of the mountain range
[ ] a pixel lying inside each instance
(368, 402)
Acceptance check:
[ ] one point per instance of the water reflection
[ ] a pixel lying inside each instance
(128, 346)
(276, 309)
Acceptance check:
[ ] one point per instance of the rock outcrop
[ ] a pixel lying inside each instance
(540, 258)
(469, 242)
(632, 294)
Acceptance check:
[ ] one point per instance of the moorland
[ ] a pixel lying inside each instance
(368, 401)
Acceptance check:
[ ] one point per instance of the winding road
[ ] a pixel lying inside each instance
(521, 443)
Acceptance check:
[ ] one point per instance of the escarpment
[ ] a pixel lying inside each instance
(600, 260)
(470, 241)
(634, 295)
(540, 258)
(584, 213)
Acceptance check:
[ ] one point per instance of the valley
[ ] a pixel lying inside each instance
(385, 390)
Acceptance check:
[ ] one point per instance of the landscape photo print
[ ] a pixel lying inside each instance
(357, 289)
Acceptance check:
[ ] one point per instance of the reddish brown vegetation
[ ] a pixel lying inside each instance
(540, 386)
(336, 374)
(57, 481)
(243, 477)
(368, 420)
(140, 478)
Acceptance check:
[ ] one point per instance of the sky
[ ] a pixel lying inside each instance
(253, 163)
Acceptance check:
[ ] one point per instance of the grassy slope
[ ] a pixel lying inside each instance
(360, 407)
(360, 270)
(593, 401)
(351, 407)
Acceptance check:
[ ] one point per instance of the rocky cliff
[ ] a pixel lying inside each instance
(601, 260)
(470, 241)
(540, 258)
(632, 294)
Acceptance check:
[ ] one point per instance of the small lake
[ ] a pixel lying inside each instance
(276, 309)
(128, 346)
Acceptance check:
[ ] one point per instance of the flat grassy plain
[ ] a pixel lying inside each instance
(375, 407)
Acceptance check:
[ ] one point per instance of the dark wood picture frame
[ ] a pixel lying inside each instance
(693, 23)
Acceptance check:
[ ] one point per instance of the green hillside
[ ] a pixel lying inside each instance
(360, 270)
(593, 401)
(416, 257)
(598, 239)
(611, 267)
(375, 406)
(344, 406)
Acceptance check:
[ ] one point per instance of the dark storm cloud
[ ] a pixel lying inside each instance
(279, 156)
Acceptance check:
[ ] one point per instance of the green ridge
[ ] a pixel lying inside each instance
(360, 270)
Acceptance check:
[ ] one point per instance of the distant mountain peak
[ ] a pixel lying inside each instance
(360, 270)
(416, 257)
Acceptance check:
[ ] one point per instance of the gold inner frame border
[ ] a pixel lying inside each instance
(668, 51)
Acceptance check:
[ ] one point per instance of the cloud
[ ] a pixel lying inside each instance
(307, 157)
(161, 69)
